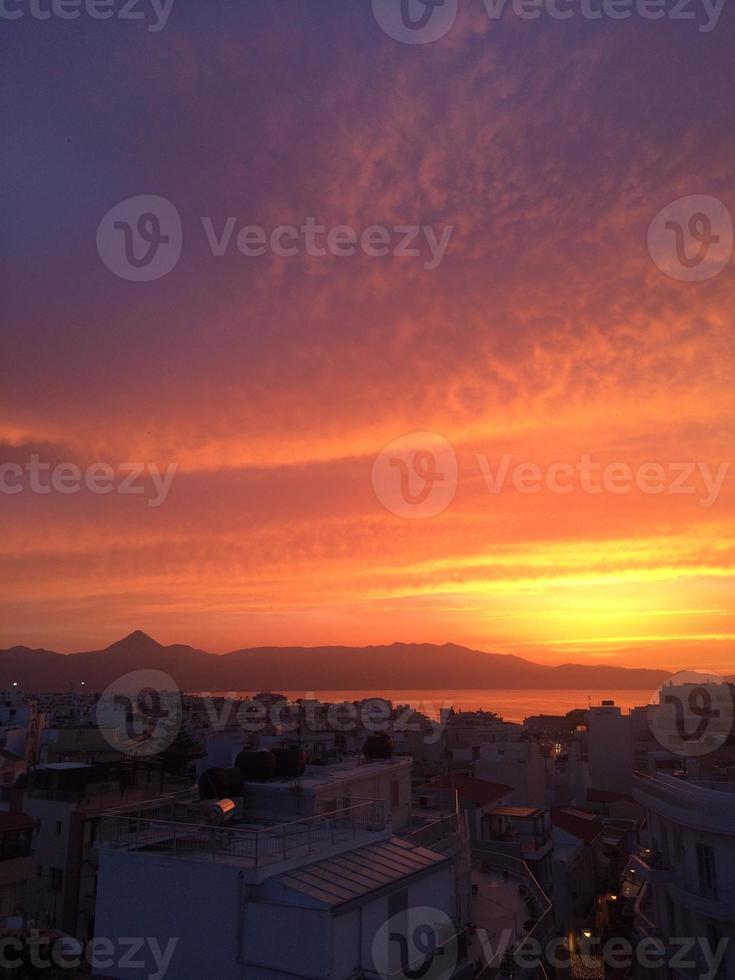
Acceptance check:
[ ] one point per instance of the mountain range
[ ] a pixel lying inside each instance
(397, 666)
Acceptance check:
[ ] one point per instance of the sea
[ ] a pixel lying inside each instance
(512, 705)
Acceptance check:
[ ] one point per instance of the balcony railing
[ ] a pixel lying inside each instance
(651, 865)
(254, 846)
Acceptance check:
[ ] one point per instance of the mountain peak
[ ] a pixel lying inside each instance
(135, 640)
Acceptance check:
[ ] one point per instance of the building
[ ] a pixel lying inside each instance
(316, 896)
(477, 797)
(576, 867)
(335, 787)
(524, 832)
(520, 764)
(64, 802)
(609, 749)
(684, 874)
(16, 865)
(87, 744)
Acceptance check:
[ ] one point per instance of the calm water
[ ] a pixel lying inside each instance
(511, 705)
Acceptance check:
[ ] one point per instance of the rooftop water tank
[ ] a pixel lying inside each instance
(378, 746)
(220, 812)
(215, 784)
(290, 761)
(256, 765)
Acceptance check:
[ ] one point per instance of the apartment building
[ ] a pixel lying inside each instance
(319, 895)
(64, 802)
(685, 871)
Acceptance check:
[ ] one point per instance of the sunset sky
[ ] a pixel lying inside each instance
(546, 332)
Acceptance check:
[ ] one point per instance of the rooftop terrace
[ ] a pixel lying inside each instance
(181, 831)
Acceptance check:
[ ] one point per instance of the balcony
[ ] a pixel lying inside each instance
(652, 866)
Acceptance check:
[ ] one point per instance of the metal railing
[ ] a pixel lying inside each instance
(484, 855)
(256, 846)
(438, 811)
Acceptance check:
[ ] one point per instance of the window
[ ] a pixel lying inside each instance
(706, 870)
(58, 828)
(56, 877)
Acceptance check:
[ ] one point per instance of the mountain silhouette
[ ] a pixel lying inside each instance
(396, 666)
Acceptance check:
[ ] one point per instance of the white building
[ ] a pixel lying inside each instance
(520, 765)
(255, 900)
(687, 869)
(335, 787)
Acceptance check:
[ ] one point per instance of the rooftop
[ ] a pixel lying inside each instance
(481, 792)
(180, 830)
(520, 812)
(342, 879)
(577, 823)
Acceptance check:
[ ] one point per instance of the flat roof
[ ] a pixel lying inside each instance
(481, 792)
(524, 812)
